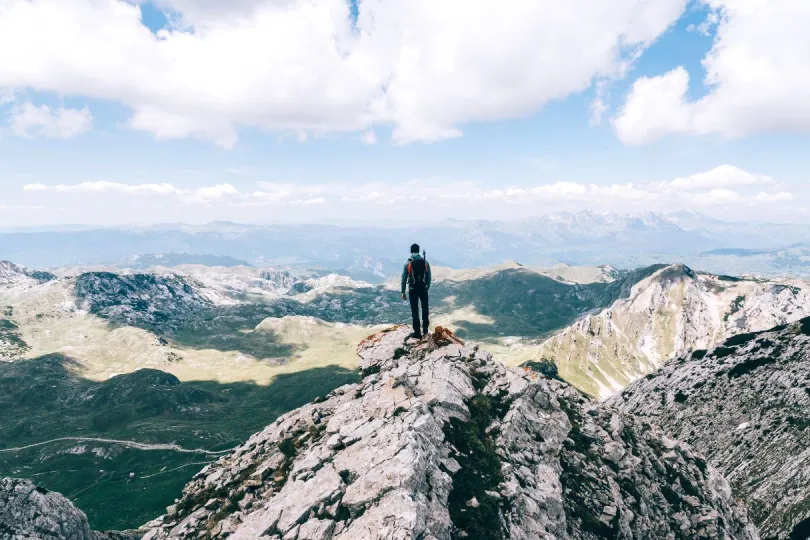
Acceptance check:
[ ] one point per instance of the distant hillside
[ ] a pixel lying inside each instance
(12, 275)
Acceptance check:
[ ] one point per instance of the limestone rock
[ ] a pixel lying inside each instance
(29, 512)
(431, 428)
(746, 406)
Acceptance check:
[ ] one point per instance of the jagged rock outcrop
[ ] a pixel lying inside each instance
(13, 275)
(439, 441)
(28, 512)
(746, 406)
(672, 312)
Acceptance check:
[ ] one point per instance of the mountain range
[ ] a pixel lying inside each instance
(374, 253)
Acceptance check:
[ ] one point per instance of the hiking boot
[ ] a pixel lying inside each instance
(414, 335)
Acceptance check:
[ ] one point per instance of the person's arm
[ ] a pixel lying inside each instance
(404, 280)
(428, 277)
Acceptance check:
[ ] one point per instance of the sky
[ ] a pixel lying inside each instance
(133, 112)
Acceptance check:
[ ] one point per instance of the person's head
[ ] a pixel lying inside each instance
(414, 248)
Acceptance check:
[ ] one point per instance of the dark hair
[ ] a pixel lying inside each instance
(414, 248)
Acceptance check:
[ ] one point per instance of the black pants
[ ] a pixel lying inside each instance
(417, 295)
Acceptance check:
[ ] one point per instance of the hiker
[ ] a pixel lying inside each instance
(417, 275)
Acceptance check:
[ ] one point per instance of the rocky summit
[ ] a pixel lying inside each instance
(439, 441)
(746, 406)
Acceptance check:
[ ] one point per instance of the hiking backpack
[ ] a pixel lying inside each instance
(417, 272)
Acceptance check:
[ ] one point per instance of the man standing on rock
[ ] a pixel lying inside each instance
(417, 275)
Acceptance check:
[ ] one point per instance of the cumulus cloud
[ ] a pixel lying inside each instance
(30, 121)
(422, 67)
(722, 176)
(757, 74)
(107, 187)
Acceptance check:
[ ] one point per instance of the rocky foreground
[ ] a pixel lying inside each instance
(441, 442)
(746, 406)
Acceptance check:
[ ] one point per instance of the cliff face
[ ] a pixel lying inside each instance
(746, 406)
(438, 442)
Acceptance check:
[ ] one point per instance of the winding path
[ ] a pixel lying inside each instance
(131, 444)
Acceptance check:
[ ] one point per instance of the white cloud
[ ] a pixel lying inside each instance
(29, 121)
(598, 110)
(166, 125)
(757, 75)
(35, 187)
(107, 187)
(216, 192)
(722, 176)
(423, 67)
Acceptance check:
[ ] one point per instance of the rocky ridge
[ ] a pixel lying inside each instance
(13, 275)
(670, 313)
(439, 441)
(746, 406)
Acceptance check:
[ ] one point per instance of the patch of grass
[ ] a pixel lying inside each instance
(741, 339)
(804, 328)
(722, 352)
(480, 472)
(750, 365)
(11, 343)
(736, 305)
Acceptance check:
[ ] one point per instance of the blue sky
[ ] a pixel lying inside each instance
(90, 145)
